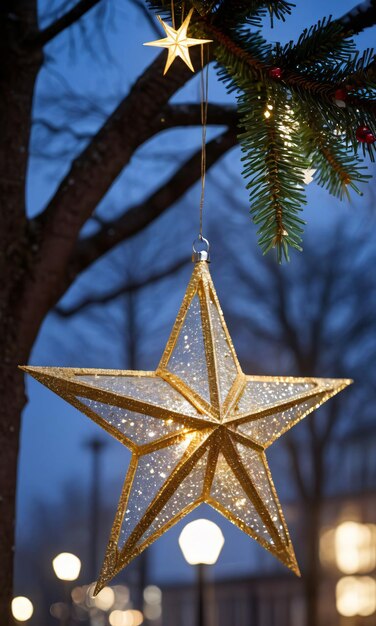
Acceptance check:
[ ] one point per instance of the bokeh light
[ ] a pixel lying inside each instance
(122, 596)
(153, 602)
(22, 608)
(126, 618)
(60, 610)
(67, 566)
(356, 595)
(152, 594)
(78, 595)
(355, 547)
(105, 599)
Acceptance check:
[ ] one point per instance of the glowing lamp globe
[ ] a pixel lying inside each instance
(67, 566)
(201, 542)
(22, 608)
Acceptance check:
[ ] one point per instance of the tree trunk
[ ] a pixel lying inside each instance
(20, 66)
(12, 403)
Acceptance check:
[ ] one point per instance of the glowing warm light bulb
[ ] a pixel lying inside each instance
(135, 618)
(201, 541)
(356, 595)
(66, 566)
(117, 618)
(267, 114)
(355, 547)
(152, 594)
(22, 608)
(126, 618)
(105, 599)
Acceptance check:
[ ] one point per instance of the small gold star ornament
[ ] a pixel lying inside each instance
(177, 42)
(198, 429)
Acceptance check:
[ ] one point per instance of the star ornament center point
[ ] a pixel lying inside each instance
(177, 42)
(198, 429)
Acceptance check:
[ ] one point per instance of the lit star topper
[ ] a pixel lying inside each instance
(197, 428)
(177, 42)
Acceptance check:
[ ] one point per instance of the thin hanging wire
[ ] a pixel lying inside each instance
(204, 89)
(173, 14)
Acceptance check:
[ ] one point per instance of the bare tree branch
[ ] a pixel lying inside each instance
(138, 217)
(62, 23)
(362, 16)
(171, 116)
(174, 115)
(120, 291)
(57, 229)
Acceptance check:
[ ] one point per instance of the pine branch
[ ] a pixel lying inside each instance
(234, 12)
(337, 167)
(275, 165)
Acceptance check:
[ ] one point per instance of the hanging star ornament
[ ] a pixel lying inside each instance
(177, 42)
(197, 428)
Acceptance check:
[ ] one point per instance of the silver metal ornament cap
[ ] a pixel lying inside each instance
(202, 254)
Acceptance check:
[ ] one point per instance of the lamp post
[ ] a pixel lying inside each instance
(201, 543)
(96, 447)
(67, 567)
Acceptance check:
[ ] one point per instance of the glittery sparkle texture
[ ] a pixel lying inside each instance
(198, 429)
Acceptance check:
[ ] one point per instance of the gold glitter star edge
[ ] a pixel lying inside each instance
(177, 42)
(197, 428)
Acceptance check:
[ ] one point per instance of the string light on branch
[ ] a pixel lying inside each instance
(268, 111)
(308, 175)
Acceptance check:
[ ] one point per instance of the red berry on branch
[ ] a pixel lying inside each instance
(275, 72)
(364, 135)
(370, 138)
(340, 94)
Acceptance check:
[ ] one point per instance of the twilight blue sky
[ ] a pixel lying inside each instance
(83, 81)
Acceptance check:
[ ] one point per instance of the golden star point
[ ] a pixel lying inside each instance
(177, 42)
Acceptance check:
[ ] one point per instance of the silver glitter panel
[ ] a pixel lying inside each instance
(152, 472)
(226, 366)
(227, 491)
(189, 490)
(268, 428)
(188, 360)
(261, 394)
(252, 461)
(153, 390)
(139, 428)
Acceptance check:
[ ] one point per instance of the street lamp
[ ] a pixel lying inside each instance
(22, 608)
(67, 567)
(201, 543)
